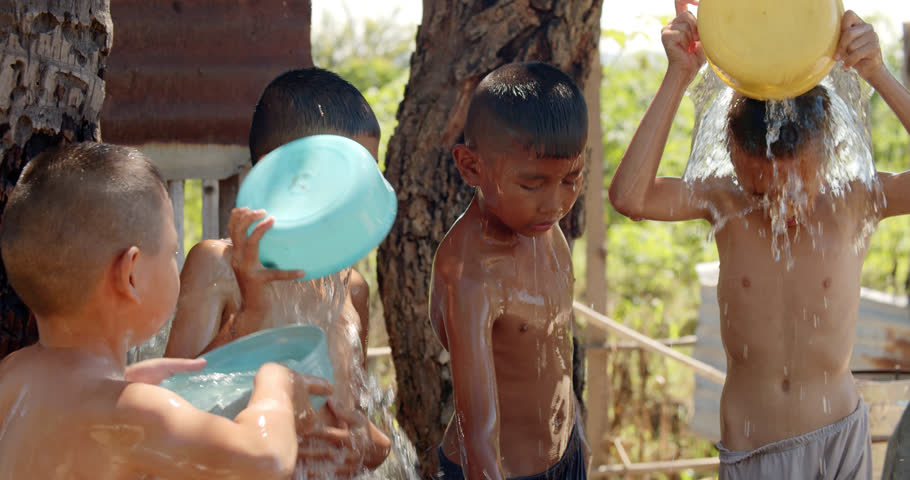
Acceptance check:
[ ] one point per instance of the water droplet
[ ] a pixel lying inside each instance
(815, 320)
(826, 302)
(748, 428)
(785, 371)
(826, 377)
(746, 351)
(726, 308)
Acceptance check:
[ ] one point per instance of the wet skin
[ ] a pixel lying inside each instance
(788, 334)
(69, 410)
(501, 304)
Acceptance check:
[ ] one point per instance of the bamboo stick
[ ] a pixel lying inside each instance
(652, 345)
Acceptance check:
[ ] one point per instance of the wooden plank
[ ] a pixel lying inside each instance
(227, 198)
(650, 344)
(210, 211)
(598, 384)
(175, 189)
(181, 161)
(608, 471)
(686, 341)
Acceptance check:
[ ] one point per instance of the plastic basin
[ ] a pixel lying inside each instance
(330, 202)
(770, 49)
(225, 385)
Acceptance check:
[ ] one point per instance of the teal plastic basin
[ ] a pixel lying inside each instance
(330, 202)
(225, 385)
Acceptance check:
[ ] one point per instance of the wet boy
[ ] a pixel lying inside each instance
(227, 293)
(789, 408)
(501, 296)
(88, 241)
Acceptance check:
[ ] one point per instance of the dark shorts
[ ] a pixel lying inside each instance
(571, 466)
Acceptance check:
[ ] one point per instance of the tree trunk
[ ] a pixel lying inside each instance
(458, 43)
(51, 70)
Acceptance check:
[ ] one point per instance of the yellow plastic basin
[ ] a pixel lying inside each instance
(770, 49)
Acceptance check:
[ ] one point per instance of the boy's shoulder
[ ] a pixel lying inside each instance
(464, 253)
(207, 259)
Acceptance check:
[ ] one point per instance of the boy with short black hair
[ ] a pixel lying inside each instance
(501, 293)
(88, 241)
(227, 293)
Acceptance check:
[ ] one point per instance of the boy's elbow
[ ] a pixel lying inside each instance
(623, 205)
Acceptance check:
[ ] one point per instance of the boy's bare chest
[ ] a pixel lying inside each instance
(537, 299)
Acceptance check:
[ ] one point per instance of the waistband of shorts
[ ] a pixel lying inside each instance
(574, 440)
(733, 456)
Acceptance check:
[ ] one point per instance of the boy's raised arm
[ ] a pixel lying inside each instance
(467, 311)
(859, 48)
(635, 190)
(165, 436)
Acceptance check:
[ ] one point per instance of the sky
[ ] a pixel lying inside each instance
(623, 15)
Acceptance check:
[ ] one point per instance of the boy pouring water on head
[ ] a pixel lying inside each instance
(789, 407)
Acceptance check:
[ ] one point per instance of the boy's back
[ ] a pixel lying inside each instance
(59, 429)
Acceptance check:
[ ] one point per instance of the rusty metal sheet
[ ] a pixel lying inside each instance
(191, 71)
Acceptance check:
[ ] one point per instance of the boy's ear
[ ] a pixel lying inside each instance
(468, 163)
(124, 271)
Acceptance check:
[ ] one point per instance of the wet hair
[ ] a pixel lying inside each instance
(70, 214)
(308, 101)
(748, 124)
(528, 105)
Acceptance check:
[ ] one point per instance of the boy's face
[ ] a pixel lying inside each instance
(158, 277)
(781, 178)
(528, 194)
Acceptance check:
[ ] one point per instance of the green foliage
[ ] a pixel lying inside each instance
(373, 55)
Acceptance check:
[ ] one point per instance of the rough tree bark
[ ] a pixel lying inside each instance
(51, 90)
(458, 43)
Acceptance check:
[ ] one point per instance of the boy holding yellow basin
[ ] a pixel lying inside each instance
(789, 408)
(227, 293)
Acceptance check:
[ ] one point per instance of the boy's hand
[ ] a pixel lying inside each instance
(304, 386)
(859, 47)
(340, 444)
(156, 370)
(681, 41)
(252, 277)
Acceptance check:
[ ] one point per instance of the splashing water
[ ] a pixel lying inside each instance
(848, 160)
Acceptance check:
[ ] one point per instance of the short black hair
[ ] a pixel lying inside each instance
(532, 104)
(71, 212)
(308, 101)
(748, 124)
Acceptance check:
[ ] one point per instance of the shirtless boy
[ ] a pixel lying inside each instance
(227, 293)
(501, 296)
(789, 407)
(88, 241)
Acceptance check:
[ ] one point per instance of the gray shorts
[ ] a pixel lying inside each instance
(842, 450)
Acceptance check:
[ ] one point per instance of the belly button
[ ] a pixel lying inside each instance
(826, 283)
(746, 282)
(523, 328)
(785, 385)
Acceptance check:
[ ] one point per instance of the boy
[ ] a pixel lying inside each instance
(501, 295)
(88, 241)
(789, 408)
(227, 293)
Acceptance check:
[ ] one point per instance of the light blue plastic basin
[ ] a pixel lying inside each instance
(225, 385)
(330, 202)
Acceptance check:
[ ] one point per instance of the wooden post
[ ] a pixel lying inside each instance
(210, 209)
(598, 385)
(227, 197)
(175, 188)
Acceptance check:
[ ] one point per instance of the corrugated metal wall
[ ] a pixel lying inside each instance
(191, 71)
